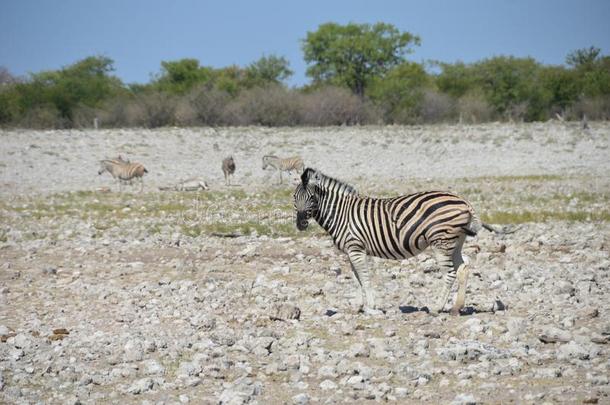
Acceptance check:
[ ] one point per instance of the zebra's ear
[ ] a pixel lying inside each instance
(305, 176)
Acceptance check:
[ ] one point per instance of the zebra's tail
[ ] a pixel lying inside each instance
(474, 226)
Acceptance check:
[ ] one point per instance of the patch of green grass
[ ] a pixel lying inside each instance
(530, 178)
(500, 217)
(153, 229)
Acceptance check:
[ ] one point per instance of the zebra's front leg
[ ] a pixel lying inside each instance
(281, 181)
(357, 258)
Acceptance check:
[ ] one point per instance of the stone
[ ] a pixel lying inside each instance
(328, 385)
(572, 350)
(188, 369)
(359, 350)
(285, 312)
(141, 386)
(133, 351)
(553, 335)
(300, 399)
(464, 399)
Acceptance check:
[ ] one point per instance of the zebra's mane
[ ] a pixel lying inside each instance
(326, 181)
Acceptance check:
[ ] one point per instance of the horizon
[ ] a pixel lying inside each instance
(139, 35)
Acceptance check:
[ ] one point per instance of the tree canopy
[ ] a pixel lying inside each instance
(360, 75)
(352, 55)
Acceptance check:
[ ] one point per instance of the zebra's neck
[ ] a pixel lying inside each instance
(334, 200)
(272, 161)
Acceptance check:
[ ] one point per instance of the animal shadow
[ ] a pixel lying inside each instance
(409, 309)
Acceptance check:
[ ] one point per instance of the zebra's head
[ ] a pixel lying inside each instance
(103, 167)
(266, 159)
(305, 198)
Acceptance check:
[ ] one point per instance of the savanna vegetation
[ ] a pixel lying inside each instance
(359, 74)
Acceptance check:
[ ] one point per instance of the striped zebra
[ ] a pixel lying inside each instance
(228, 168)
(283, 165)
(391, 228)
(123, 171)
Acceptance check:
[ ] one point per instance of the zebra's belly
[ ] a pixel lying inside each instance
(389, 245)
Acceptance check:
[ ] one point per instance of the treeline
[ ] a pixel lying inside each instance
(359, 72)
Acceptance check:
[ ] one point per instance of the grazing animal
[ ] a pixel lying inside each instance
(122, 171)
(391, 228)
(283, 165)
(228, 168)
(122, 160)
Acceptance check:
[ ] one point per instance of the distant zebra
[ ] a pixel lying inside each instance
(228, 168)
(391, 228)
(122, 160)
(122, 171)
(283, 165)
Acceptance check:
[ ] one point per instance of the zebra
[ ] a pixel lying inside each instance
(390, 228)
(228, 168)
(123, 171)
(120, 159)
(286, 165)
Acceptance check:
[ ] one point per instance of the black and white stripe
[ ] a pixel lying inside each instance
(283, 165)
(390, 228)
(123, 170)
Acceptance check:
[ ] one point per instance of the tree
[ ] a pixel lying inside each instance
(562, 84)
(583, 58)
(182, 75)
(6, 77)
(268, 69)
(86, 82)
(352, 55)
(456, 79)
(399, 92)
(513, 86)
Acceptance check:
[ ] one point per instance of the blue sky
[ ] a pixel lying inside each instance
(139, 34)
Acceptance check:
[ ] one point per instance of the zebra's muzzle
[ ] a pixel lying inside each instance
(302, 221)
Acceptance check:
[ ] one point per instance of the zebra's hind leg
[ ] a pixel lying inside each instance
(448, 253)
(445, 262)
(462, 277)
(357, 258)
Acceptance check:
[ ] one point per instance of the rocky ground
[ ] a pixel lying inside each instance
(109, 297)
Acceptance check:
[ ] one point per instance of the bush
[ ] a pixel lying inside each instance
(83, 116)
(474, 108)
(272, 105)
(154, 109)
(44, 117)
(206, 106)
(336, 106)
(594, 108)
(436, 107)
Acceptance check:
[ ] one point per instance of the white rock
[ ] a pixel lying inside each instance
(141, 386)
(328, 385)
